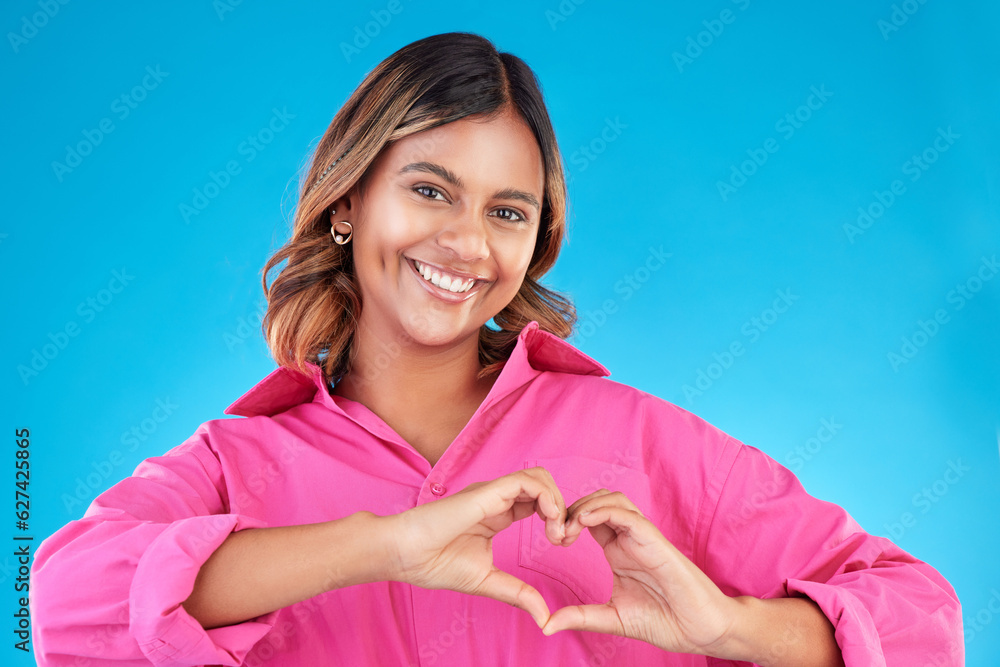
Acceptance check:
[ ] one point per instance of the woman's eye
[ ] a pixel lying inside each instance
(511, 215)
(429, 192)
(508, 214)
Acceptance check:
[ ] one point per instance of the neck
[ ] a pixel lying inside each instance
(391, 373)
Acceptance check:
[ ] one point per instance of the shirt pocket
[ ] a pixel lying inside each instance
(581, 567)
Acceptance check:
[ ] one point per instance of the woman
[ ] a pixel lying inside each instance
(409, 467)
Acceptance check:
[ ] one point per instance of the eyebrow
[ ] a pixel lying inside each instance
(448, 176)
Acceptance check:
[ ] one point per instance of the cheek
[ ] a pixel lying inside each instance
(513, 262)
(525, 252)
(383, 234)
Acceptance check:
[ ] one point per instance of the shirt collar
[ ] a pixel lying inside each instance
(536, 350)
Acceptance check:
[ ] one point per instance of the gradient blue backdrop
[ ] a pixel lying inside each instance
(653, 108)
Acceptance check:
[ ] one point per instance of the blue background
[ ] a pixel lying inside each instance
(652, 111)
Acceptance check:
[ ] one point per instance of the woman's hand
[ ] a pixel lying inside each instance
(658, 595)
(448, 543)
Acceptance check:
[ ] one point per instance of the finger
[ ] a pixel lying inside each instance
(602, 534)
(609, 523)
(500, 502)
(535, 484)
(558, 508)
(598, 499)
(554, 513)
(580, 501)
(606, 523)
(554, 530)
(590, 617)
(505, 587)
(497, 496)
(524, 509)
(574, 526)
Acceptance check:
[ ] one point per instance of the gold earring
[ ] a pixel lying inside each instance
(338, 237)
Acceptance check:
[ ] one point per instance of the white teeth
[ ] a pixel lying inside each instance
(446, 282)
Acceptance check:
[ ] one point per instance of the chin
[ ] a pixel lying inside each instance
(437, 330)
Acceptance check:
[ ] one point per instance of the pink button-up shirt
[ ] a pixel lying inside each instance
(109, 586)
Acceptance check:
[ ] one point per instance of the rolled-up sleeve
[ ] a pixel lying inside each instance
(767, 537)
(108, 588)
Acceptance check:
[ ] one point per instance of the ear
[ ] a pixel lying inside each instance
(348, 203)
(342, 208)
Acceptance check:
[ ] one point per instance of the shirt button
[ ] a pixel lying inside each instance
(437, 488)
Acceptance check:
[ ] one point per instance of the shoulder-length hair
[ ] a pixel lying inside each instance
(314, 302)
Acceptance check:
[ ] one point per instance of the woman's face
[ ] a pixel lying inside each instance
(446, 228)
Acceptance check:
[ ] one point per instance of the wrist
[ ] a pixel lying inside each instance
(398, 539)
(742, 640)
(779, 631)
(357, 550)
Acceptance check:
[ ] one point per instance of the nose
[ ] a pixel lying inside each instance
(465, 236)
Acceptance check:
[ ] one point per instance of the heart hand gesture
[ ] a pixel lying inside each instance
(658, 595)
(448, 543)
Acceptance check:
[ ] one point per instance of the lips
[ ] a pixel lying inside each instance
(448, 285)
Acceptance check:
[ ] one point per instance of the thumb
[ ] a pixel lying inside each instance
(590, 617)
(505, 587)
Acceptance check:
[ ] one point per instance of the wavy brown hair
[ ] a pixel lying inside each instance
(314, 302)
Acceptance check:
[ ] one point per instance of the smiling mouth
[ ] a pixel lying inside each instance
(463, 290)
(443, 280)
